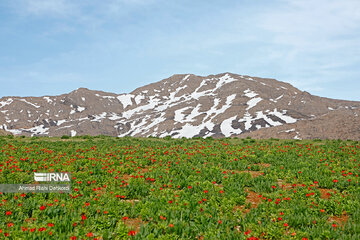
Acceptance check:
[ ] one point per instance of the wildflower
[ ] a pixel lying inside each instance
(247, 232)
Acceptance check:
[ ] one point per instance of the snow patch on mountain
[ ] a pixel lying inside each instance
(32, 104)
(125, 99)
(37, 130)
(139, 98)
(282, 116)
(97, 118)
(59, 122)
(252, 102)
(13, 131)
(73, 133)
(250, 94)
(7, 102)
(48, 99)
(227, 129)
(179, 116)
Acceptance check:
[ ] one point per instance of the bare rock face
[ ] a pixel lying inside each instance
(4, 133)
(223, 105)
(343, 123)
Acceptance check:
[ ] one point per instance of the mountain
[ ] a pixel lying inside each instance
(186, 105)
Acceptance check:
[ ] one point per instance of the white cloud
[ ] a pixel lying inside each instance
(308, 24)
(312, 43)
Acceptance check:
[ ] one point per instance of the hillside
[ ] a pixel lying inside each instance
(186, 105)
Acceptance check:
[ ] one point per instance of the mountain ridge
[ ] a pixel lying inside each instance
(183, 105)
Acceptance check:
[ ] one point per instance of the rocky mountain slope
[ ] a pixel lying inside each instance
(3, 133)
(223, 105)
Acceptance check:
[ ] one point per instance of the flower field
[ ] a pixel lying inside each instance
(149, 188)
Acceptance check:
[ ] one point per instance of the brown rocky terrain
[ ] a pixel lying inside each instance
(342, 124)
(4, 133)
(186, 105)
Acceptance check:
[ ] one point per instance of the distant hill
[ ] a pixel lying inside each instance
(186, 105)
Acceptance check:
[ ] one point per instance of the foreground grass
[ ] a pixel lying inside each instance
(149, 188)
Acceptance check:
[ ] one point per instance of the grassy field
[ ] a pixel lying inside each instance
(150, 188)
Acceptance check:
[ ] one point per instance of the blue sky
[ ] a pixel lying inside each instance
(50, 47)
